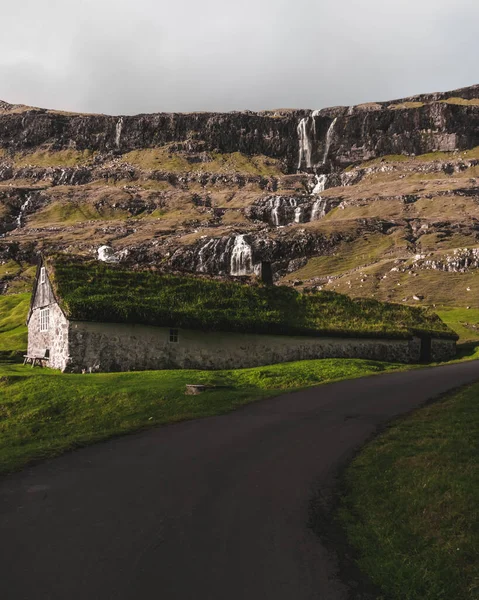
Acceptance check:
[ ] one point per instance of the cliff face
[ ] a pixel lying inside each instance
(245, 132)
(302, 139)
(331, 198)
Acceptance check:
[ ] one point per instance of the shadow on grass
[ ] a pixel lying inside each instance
(468, 351)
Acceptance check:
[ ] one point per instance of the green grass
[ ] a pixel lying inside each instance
(406, 105)
(462, 101)
(165, 160)
(371, 247)
(410, 504)
(13, 331)
(53, 158)
(93, 291)
(465, 322)
(44, 413)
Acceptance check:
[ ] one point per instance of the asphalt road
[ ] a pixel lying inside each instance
(212, 509)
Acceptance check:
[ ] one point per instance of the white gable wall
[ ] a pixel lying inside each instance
(55, 338)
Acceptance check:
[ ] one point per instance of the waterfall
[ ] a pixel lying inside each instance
(320, 186)
(119, 127)
(241, 257)
(298, 215)
(207, 252)
(305, 150)
(329, 136)
(275, 204)
(319, 209)
(307, 136)
(62, 178)
(23, 208)
(107, 254)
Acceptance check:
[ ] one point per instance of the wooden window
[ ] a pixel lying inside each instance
(43, 275)
(173, 336)
(44, 319)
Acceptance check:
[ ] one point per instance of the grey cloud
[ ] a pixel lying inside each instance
(128, 56)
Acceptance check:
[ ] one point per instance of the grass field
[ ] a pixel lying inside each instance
(410, 504)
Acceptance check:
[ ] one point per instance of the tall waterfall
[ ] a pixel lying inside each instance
(307, 139)
(119, 127)
(329, 136)
(305, 147)
(23, 208)
(241, 257)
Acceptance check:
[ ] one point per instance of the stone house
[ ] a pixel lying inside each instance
(75, 343)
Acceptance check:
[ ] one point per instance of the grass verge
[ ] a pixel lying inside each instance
(410, 504)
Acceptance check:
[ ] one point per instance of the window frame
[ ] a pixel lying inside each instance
(44, 319)
(173, 335)
(43, 275)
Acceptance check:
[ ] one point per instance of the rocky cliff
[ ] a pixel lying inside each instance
(331, 197)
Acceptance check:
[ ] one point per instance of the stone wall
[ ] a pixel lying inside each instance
(55, 339)
(442, 349)
(121, 347)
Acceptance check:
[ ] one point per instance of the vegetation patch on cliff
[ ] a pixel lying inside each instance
(410, 504)
(52, 158)
(93, 291)
(165, 159)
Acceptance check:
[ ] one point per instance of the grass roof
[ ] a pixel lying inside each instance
(95, 291)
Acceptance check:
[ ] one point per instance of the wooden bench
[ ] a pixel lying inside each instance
(35, 359)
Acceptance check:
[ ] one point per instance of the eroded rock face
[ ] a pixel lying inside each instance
(304, 140)
(460, 260)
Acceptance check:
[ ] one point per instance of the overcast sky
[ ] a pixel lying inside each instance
(132, 56)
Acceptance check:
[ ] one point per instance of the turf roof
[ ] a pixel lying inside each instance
(96, 291)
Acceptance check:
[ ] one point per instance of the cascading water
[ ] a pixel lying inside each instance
(320, 186)
(319, 209)
(281, 209)
(298, 215)
(307, 138)
(241, 257)
(275, 204)
(305, 149)
(62, 179)
(206, 254)
(23, 208)
(329, 136)
(119, 127)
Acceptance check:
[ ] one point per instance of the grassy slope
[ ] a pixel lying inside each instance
(465, 322)
(13, 331)
(411, 503)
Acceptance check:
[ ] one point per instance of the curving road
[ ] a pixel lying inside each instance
(213, 509)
